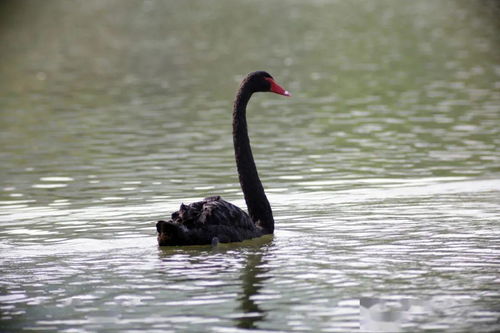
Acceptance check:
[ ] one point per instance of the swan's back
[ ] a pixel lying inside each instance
(200, 222)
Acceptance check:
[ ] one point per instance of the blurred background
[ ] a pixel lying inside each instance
(383, 169)
(114, 89)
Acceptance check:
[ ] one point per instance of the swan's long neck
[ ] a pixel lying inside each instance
(259, 208)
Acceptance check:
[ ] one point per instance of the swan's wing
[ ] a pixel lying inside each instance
(212, 211)
(216, 211)
(200, 222)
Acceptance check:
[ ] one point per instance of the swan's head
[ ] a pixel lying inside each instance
(264, 82)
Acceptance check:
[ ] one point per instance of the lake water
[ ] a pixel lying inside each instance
(383, 169)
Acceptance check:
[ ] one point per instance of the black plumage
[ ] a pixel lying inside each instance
(201, 222)
(213, 219)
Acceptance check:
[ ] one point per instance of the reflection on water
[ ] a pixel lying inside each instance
(382, 170)
(253, 278)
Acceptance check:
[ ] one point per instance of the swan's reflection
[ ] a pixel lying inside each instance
(252, 277)
(184, 265)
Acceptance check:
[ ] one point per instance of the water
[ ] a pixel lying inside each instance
(382, 169)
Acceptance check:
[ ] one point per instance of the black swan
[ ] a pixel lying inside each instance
(213, 219)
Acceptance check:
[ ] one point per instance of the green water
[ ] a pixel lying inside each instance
(383, 169)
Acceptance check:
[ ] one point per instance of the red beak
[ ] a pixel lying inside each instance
(276, 88)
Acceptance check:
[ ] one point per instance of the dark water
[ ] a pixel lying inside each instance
(383, 169)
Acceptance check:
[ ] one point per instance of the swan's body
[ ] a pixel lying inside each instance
(214, 219)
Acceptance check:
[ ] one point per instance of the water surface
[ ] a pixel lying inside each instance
(382, 170)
